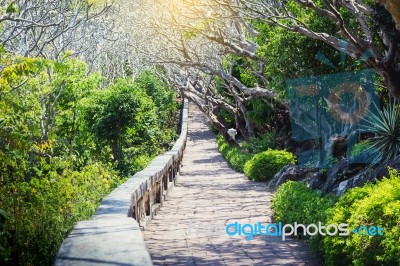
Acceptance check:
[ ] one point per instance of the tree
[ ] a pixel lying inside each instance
(122, 116)
(393, 6)
(364, 30)
(44, 28)
(203, 44)
(95, 33)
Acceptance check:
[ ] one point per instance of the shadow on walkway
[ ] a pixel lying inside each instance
(210, 195)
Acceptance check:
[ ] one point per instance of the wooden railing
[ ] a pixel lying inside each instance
(112, 237)
(158, 178)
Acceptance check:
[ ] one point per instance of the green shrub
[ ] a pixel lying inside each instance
(236, 156)
(263, 166)
(43, 211)
(377, 205)
(133, 119)
(294, 202)
(237, 159)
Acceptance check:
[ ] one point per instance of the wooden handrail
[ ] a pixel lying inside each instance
(112, 236)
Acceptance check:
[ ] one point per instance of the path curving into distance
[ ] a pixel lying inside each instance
(209, 194)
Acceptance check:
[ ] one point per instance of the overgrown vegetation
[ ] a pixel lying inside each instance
(294, 202)
(374, 204)
(41, 212)
(65, 143)
(69, 126)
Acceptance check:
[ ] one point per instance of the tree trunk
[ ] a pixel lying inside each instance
(393, 6)
(391, 78)
(248, 125)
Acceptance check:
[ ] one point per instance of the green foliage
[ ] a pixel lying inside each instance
(119, 116)
(238, 156)
(386, 126)
(233, 154)
(280, 55)
(292, 55)
(43, 211)
(227, 118)
(260, 143)
(295, 202)
(3, 236)
(263, 166)
(130, 118)
(260, 113)
(360, 148)
(61, 136)
(164, 99)
(373, 204)
(377, 205)
(11, 8)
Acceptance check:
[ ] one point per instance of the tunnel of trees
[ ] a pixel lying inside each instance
(90, 92)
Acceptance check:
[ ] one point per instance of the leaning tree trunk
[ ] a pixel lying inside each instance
(248, 125)
(221, 128)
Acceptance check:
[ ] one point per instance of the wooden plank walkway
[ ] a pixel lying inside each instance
(210, 194)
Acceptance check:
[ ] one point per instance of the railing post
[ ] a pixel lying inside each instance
(147, 203)
(142, 209)
(159, 191)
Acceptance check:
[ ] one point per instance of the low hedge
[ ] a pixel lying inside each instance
(263, 166)
(235, 155)
(250, 157)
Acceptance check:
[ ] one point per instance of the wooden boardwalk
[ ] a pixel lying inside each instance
(210, 195)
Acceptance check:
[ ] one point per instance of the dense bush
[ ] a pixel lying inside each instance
(263, 166)
(237, 156)
(64, 142)
(377, 205)
(123, 117)
(374, 204)
(295, 202)
(44, 210)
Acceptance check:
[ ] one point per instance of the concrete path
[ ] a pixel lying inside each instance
(210, 195)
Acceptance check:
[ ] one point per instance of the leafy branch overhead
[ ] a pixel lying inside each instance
(225, 54)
